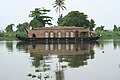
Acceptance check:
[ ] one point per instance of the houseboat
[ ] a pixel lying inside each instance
(59, 35)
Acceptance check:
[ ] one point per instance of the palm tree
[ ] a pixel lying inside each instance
(59, 4)
(39, 17)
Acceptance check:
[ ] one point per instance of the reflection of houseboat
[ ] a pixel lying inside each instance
(59, 49)
(58, 34)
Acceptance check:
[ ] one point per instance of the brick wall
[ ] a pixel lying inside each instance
(40, 32)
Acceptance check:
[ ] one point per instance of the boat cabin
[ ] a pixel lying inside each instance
(58, 32)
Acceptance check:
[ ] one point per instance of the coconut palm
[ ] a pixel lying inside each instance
(39, 17)
(59, 4)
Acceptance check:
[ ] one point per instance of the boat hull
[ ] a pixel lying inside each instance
(59, 40)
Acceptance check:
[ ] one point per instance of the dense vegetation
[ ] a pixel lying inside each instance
(73, 18)
(76, 18)
(115, 33)
(39, 19)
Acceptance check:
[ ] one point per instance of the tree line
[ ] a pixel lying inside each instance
(40, 19)
(74, 18)
(114, 33)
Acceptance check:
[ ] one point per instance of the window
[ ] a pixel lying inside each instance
(59, 34)
(51, 34)
(67, 34)
(46, 34)
(71, 34)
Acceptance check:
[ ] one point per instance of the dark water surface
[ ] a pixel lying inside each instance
(82, 61)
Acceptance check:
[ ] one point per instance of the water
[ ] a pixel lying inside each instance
(85, 61)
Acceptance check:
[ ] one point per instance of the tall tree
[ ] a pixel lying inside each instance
(36, 13)
(59, 4)
(60, 19)
(76, 18)
(92, 24)
(40, 18)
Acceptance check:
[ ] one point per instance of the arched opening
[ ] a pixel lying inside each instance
(34, 36)
(59, 34)
(67, 34)
(71, 34)
(46, 35)
(51, 34)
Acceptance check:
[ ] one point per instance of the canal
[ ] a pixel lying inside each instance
(81, 61)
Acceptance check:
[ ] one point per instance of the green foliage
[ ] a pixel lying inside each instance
(76, 18)
(1, 34)
(109, 34)
(22, 27)
(101, 28)
(92, 24)
(116, 28)
(39, 17)
(35, 23)
(9, 28)
(60, 19)
(39, 20)
(73, 18)
(7, 36)
(23, 33)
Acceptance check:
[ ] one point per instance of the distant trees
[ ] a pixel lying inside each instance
(101, 28)
(76, 18)
(73, 18)
(116, 28)
(39, 19)
(9, 28)
(115, 33)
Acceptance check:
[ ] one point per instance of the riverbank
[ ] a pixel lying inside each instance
(109, 34)
(105, 35)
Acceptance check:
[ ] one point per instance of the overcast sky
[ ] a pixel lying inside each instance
(104, 12)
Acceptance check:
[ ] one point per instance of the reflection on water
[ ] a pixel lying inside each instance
(73, 61)
(9, 45)
(116, 43)
(57, 49)
(67, 55)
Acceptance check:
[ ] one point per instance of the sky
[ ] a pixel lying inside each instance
(103, 12)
